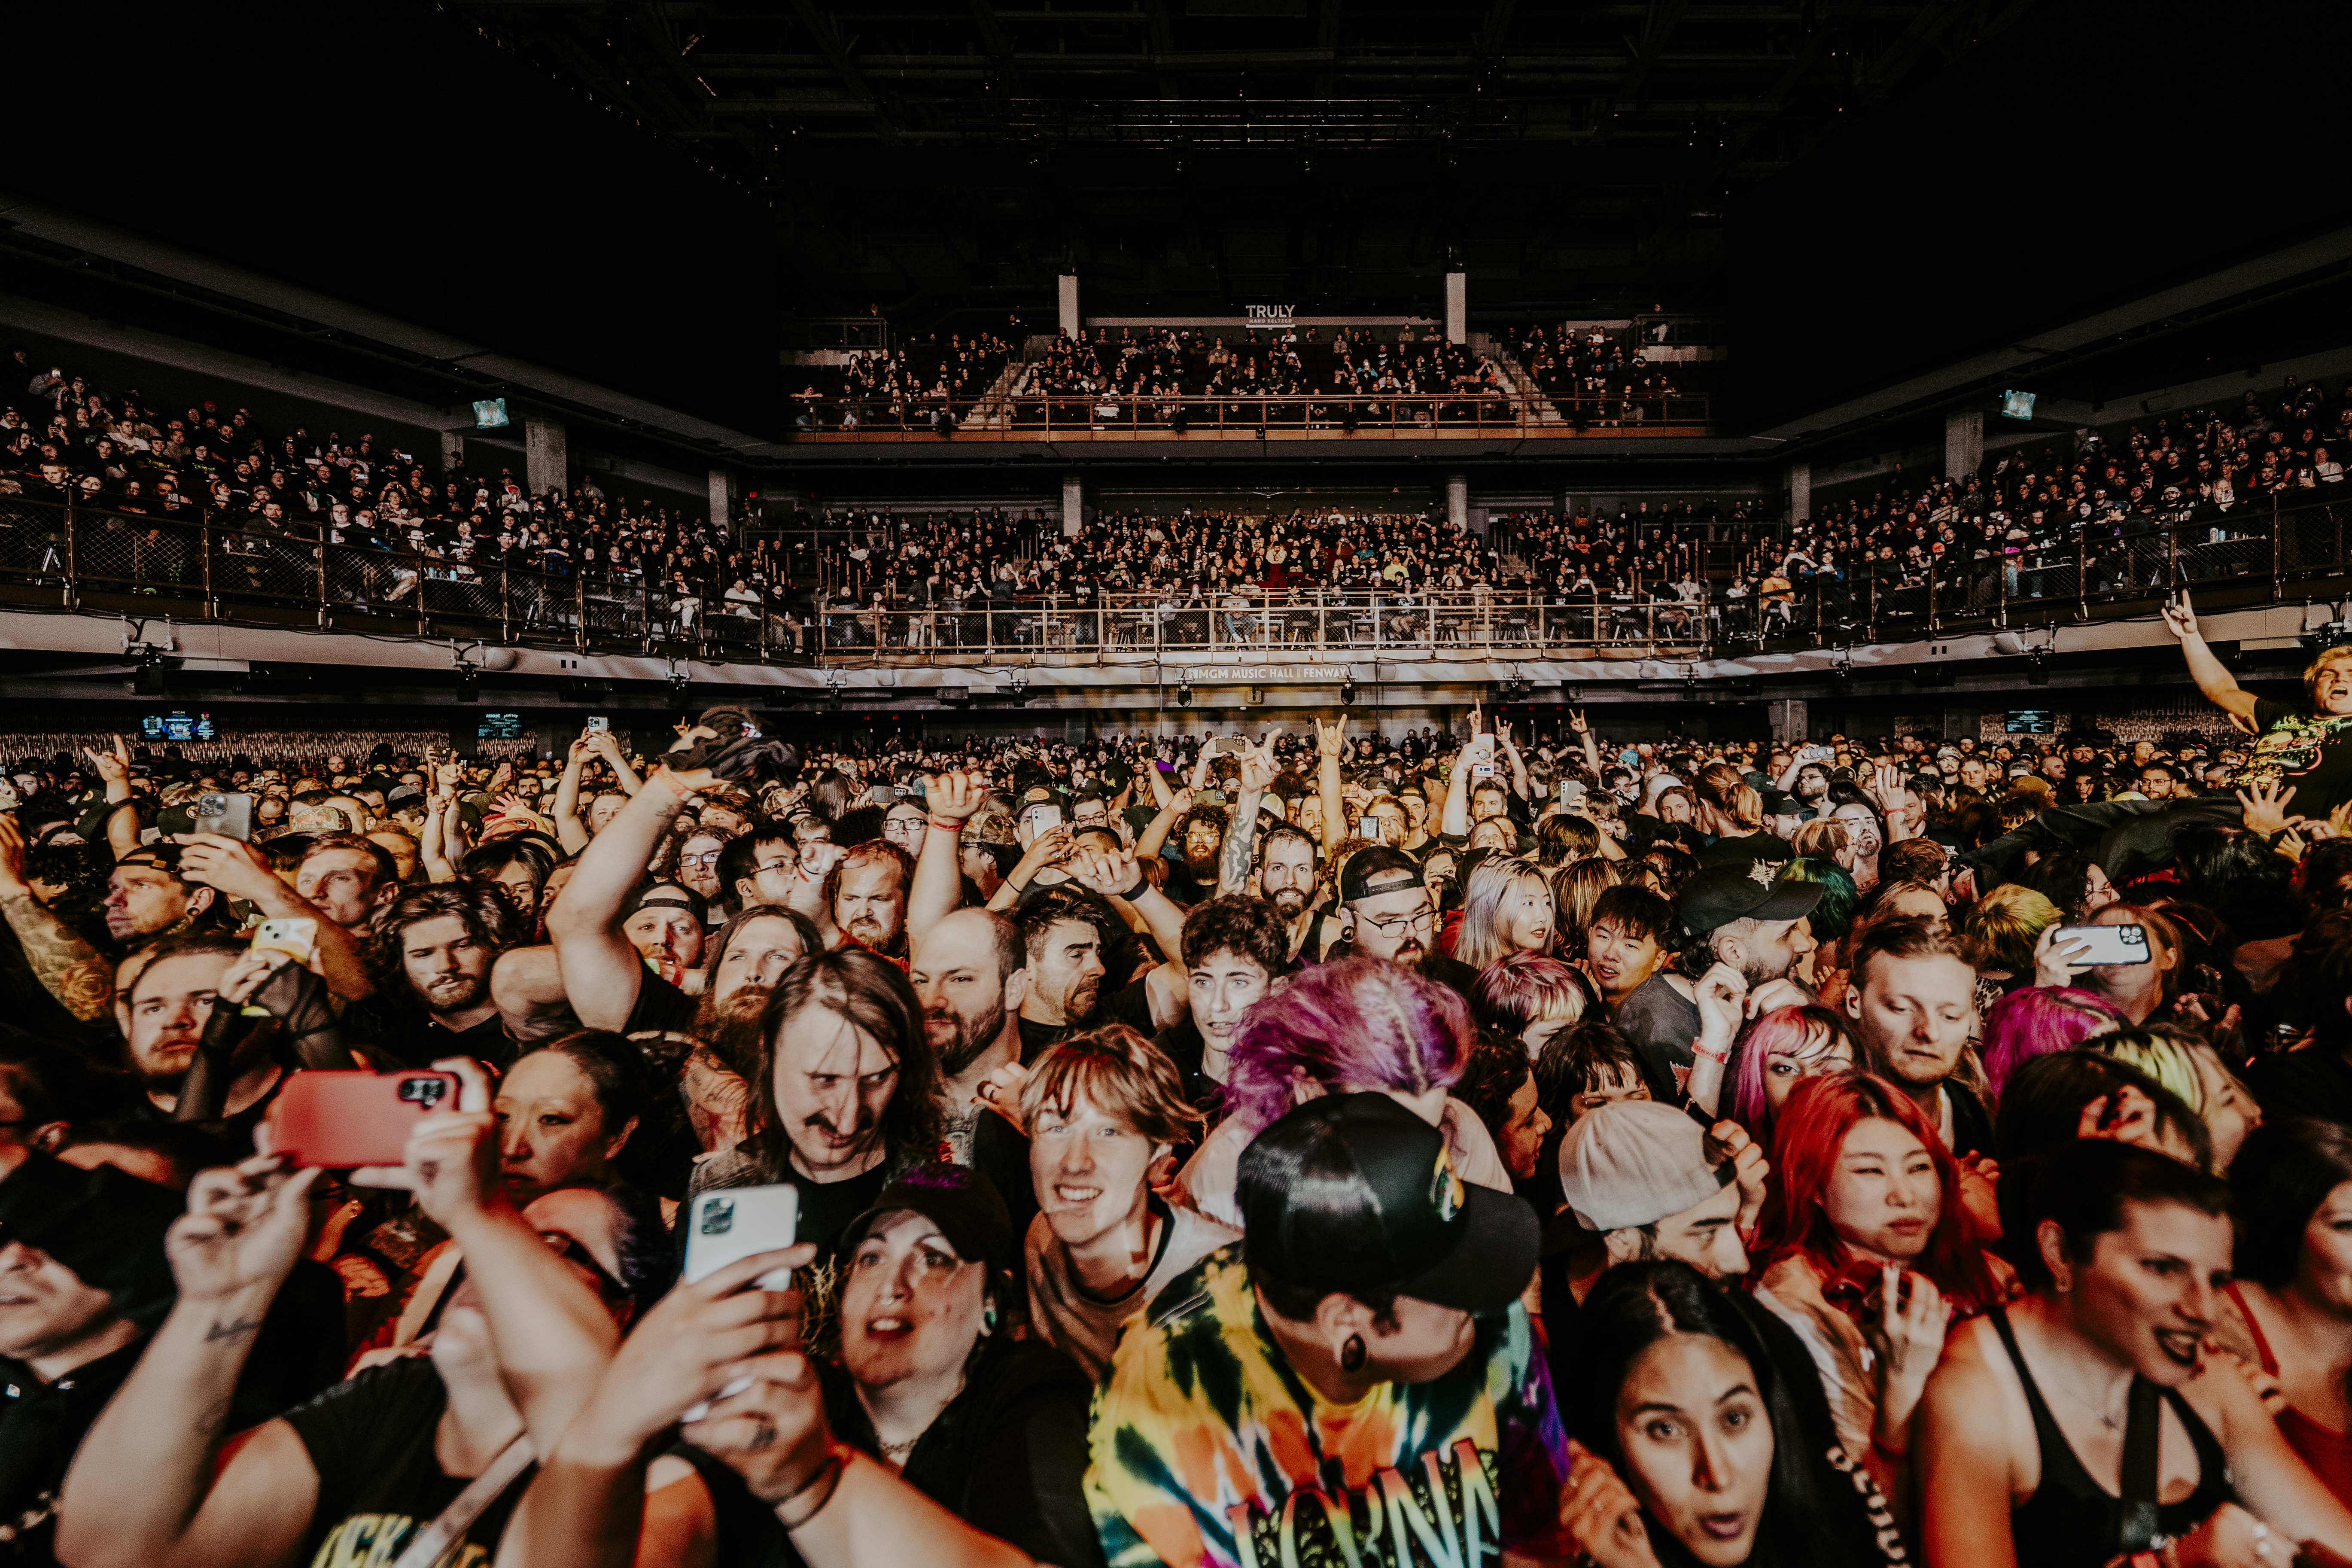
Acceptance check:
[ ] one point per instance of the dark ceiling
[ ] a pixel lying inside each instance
(945, 158)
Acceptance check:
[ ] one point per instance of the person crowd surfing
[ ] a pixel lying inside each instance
(1230, 1152)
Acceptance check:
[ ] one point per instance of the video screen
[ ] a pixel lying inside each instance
(2017, 406)
(490, 413)
(2031, 722)
(176, 727)
(500, 727)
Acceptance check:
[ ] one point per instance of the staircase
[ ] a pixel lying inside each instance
(994, 409)
(1539, 409)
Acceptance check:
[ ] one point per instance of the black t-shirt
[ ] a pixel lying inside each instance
(2303, 751)
(827, 1207)
(2315, 1082)
(659, 1005)
(41, 1424)
(401, 1034)
(1661, 1021)
(371, 1440)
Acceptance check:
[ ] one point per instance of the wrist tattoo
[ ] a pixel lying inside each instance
(241, 1328)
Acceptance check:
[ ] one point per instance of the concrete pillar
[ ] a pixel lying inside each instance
(546, 462)
(1074, 504)
(726, 492)
(1457, 502)
(1963, 444)
(1458, 307)
(1068, 296)
(453, 450)
(1801, 491)
(1788, 720)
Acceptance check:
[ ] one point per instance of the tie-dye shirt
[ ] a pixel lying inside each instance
(1209, 1451)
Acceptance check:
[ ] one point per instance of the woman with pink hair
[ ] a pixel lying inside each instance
(1362, 1026)
(2037, 1020)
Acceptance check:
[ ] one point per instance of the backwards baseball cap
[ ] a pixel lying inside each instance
(1636, 1161)
(1354, 1192)
(1743, 891)
(104, 1224)
(662, 895)
(1375, 869)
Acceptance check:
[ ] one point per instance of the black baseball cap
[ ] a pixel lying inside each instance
(1381, 863)
(967, 1210)
(1743, 891)
(1354, 1192)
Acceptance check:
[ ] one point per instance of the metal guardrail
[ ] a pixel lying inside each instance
(2252, 553)
(204, 567)
(1027, 417)
(1140, 629)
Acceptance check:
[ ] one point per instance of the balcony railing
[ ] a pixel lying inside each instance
(197, 567)
(1029, 417)
(2256, 553)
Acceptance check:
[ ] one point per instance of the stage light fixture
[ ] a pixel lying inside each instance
(148, 680)
(1184, 694)
(2037, 666)
(469, 683)
(1346, 694)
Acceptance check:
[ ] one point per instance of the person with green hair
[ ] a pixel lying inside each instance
(2004, 925)
(2193, 1070)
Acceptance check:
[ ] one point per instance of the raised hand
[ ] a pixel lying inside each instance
(2056, 962)
(2181, 619)
(243, 1231)
(1599, 1515)
(954, 796)
(233, 866)
(1909, 1339)
(697, 1340)
(451, 1163)
(1260, 767)
(1576, 721)
(1722, 999)
(113, 767)
(1330, 738)
(1111, 875)
(820, 856)
(2265, 808)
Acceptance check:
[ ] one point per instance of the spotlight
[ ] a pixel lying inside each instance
(1690, 688)
(679, 680)
(469, 683)
(148, 680)
(2319, 639)
(1346, 694)
(2037, 666)
(1184, 694)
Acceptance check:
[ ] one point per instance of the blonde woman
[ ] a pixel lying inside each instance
(1575, 889)
(1506, 908)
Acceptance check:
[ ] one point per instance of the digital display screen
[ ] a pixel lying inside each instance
(2031, 722)
(2017, 406)
(176, 727)
(500, 727)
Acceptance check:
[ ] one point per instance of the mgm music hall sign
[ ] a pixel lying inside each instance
(1260, 674)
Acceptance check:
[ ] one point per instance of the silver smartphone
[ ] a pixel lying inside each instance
(2108, 944)
(735, 1223)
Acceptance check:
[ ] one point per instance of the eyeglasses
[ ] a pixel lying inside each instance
(708, 858)
(1398, 925)
(774, 864)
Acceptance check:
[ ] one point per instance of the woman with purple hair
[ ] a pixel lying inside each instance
(1362, 1026)
(2036, 1020)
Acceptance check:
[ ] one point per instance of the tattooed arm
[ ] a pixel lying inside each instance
(143, 1489)
(1259, 769)
(72, 970)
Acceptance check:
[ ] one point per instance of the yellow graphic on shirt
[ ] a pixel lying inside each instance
(376, 1540)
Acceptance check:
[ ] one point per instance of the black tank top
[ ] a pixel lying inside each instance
(2070, 1519)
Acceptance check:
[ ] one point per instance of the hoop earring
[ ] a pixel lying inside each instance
(1352, 1354)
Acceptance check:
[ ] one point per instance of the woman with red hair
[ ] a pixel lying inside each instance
(1868, 1254)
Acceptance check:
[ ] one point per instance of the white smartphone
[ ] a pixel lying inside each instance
(736, 1223)
(1042, 817)
(2108, 944)
(598, 724)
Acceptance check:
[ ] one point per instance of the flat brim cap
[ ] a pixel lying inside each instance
(1490, 1267)
(1743, 891)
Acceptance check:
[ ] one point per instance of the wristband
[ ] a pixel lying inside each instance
(1142, 886)
(1720, 1059)
(835, 1463)
(1885, 1450)
(946, 826)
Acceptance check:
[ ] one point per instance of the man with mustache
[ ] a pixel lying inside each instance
(1390, 915)
(433, 952)
(971, 972)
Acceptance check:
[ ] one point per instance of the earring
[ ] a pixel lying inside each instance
(1352, 1354)
(988, 1319)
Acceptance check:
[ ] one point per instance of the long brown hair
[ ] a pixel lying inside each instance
(874, 996)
